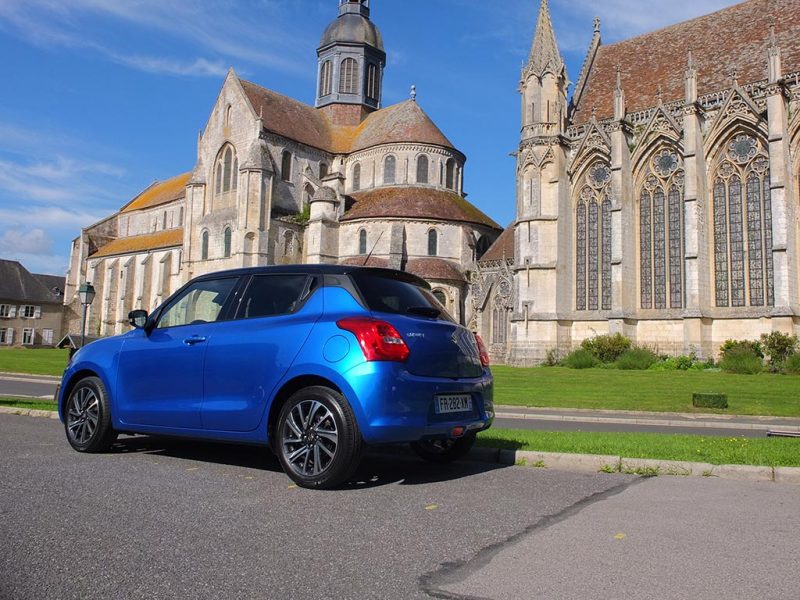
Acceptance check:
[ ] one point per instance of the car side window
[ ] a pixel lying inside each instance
(199, 303)
(272, 295)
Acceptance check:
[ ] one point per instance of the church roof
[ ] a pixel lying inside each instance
(141, 243)
(732, 39)
(352, 29)
(160, 192)
(405, 122)
(434, 268)
(415, 203)
(502, 248)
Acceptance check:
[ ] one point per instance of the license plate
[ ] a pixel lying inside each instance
(453, 403)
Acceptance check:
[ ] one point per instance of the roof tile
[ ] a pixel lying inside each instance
(161, 192)
(141, 243)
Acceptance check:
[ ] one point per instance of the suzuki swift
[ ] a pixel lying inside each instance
(314, 361)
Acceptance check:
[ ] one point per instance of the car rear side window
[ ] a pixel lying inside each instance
(390, 295)
(201, 302)
(272, 295)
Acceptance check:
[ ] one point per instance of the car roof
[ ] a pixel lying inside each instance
(317, 270)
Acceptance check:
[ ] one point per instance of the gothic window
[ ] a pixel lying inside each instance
(362, 242)
(357, 177)
(286, 166)
(593, 241)
(325, 79)
(450, 174)
(433, 243)
(348, 76)
(226, 243)
(288, 244)
(441, 297)
(389, 168)
(499, 325)
(422, 168)
(372, 82)
(204, 246)
(180, 217)
(323, 170)
(661, 233)
(227, 170)
(742, 208)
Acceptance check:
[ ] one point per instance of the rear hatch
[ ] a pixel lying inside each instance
(439, 347)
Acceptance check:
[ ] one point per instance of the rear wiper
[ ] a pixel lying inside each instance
(424, 311)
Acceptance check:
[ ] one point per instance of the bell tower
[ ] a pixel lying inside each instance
(351, 60)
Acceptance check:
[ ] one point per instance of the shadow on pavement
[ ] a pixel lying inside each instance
(380, 466)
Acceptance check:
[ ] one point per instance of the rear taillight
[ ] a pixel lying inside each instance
(482, 350)
(379, 340)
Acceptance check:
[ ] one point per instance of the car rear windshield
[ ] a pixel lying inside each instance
(384, 293)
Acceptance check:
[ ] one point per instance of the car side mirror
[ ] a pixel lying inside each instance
(138, 318)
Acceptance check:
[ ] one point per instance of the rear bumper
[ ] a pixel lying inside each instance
(398, 407)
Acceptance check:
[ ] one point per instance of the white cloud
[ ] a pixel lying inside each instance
(34, 241)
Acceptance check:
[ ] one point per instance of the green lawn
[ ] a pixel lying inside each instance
(770, 452)
(660, 391)
(44, 361)
(28, 403)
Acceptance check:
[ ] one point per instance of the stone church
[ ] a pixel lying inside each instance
(660, 199)
(277, 181)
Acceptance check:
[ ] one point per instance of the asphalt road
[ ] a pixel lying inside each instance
(170, 519)
(26, 386)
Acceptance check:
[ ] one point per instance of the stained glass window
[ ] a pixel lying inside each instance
(422, 169)
(721, 243)
(645, 249)
(675, 248)
(736, 240)
(768, 242)
(592, 271)
(606, 254)
(593, 280)
(659, 250)
(389, 166)
(580, 254)
(755, 229)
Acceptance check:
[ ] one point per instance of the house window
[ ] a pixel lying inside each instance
(450, 175)
(433, 243)
(204, 246)
(226, 242)
(389, 168)
(47, 337)
(5, 311)
(28, 335)
(4, 336)
(31, 312)
(227, 171)
(372, 82)
(325, 79)
(348, 78)
(362, 241)
(286, 166)
(357, 177)
(422, 169)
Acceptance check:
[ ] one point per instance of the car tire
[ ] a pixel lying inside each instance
(87, 417)
(446, 450)
(317, 438)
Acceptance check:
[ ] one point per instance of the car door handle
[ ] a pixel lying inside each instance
(194, 340)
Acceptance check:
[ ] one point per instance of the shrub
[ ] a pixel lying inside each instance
(579, 359)
(607, 348)
(778, 346)
(551, 358)
(636, 359)
(710, 400)
(741, 360)
(753, 346)
(792, 364)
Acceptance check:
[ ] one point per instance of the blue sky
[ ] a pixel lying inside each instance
(102, 97)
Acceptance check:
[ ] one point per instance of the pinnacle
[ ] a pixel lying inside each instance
(545, 55)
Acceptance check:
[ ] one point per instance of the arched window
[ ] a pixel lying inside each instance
(226, 243)
(482, 247)
(323, 170)
(661, 235)
(308, 194)
(286, 166)
(441, 297)
(228, 110)
(348, 77)
(289, 244)
(499, 325)
(433, 243)
(326, 79)
(362, 242)
(357, 177)
(450, 175)
(227, 171)
(180, 217)
(742, 208)
(372, 85)
(593, 241)
(422, 168)
(204, 246)
(389, 168)
(164, 220)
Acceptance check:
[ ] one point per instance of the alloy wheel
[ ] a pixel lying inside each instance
(310, 438)
(83, 415)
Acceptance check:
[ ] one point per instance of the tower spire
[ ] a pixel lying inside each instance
(545, 55)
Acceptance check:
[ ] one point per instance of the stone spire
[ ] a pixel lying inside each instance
(545, 55)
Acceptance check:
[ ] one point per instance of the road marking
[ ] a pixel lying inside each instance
(620, 536)
(431, 507)
(292, 487)
(193, 469)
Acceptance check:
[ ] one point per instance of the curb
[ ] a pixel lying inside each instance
(592, 463)
(29, 412)
(42, 378)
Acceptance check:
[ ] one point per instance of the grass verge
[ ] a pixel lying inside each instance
(658, 391)
(772, 452)
(29, 403)
(34, 361)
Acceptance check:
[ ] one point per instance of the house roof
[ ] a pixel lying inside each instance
(415, 203)
(160, 192)
(141, 243)
(434, 268)
(17, 283)
(502, 248)
(732, 39)
(53, 282)
(405, 122)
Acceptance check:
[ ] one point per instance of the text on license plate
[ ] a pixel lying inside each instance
(453, 403)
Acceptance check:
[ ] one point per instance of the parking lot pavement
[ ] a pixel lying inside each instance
(170, 519)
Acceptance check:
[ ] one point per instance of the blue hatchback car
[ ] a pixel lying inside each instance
(314, 361)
